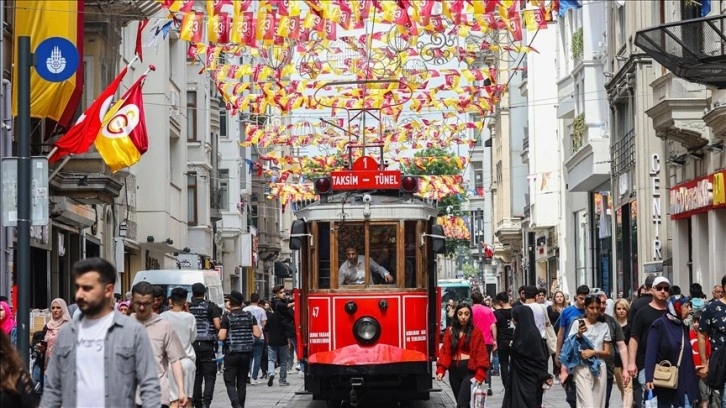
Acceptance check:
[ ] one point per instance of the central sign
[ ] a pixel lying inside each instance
(366, 180)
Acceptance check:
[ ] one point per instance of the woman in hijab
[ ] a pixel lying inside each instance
(123, 307)
(59, 317)
(666, 337)
(7, 322)
(528, 363)
(464, 354)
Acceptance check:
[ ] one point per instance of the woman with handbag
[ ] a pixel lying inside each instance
(669, 371)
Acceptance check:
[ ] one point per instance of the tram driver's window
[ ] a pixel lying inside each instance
(352, 256)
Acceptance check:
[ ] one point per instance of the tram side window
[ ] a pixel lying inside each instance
(323, 255)
(410, 253)
(383, 251)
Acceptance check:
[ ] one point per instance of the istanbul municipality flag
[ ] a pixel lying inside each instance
(41, 19)
(122, 138)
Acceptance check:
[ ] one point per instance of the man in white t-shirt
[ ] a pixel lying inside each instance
(168, 351)
(261, 317)
(101, 357)
(530, 297)
(185, 326)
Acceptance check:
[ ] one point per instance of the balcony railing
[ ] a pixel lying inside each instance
(623, 154)
(691, 49)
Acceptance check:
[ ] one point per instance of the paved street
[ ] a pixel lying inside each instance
(262, 396)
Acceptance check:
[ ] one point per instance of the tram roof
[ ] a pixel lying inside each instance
(383, 205)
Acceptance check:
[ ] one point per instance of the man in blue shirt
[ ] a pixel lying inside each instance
(569, 315)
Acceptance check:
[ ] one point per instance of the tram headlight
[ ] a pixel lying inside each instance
(366, 330)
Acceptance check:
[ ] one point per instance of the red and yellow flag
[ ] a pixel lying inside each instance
(42, 19)
(80, 137)
(123, 138)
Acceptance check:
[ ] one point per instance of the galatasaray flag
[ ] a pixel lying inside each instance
(42, 19)
(123, 139)
(80, 137)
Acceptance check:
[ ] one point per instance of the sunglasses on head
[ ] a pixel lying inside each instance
(662, 288)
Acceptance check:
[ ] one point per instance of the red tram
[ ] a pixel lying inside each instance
(368, 336)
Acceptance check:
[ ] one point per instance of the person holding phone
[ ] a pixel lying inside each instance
(592, 336)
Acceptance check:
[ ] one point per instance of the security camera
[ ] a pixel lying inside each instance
(367, 198)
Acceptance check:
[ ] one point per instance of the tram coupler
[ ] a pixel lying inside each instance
(355, 382)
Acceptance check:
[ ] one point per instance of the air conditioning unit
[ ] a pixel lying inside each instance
(174, 100)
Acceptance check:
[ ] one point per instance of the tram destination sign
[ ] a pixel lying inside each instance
(366, 180)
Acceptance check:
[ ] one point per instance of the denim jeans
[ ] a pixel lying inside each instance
(723, 397)
(292, 355)
(279, 355)
(256, 360)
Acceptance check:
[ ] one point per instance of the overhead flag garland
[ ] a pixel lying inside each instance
(416, 58)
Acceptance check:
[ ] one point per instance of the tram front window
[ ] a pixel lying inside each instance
(381, 255)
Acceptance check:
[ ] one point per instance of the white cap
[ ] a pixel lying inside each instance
(661, 279)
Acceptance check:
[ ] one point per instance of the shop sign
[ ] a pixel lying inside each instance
(656, 194)
(699, 195)
(719, 189)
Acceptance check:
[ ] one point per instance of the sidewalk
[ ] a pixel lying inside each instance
(262, 396)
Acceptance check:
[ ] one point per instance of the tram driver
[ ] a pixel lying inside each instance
(352, 271)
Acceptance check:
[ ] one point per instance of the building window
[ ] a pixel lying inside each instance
(223, 120)
(621, 25)
(581, 222)
(192, 116)
(223, 189)
(192, 215)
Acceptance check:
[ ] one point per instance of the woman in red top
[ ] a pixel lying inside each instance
(464, 354)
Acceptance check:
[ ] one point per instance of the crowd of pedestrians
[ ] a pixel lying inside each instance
(146, 350)
(600, 343)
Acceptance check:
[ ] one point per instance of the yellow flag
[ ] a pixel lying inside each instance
(42, 19)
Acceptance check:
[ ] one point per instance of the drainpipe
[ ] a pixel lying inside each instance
(6, 149)
(6, 116)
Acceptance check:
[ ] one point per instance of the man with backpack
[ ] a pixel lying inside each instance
(239, 328)
(207, 316)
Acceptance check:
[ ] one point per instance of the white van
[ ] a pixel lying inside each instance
(169, 279)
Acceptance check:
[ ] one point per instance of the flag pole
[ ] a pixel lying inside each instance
(55, 148)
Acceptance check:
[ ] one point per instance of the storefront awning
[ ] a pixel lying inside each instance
(694, 49)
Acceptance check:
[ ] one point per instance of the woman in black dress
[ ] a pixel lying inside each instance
(528, 363)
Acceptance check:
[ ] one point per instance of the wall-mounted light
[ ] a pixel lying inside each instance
(678, 161)
(695, 155)
(150, 238)
(715, 147)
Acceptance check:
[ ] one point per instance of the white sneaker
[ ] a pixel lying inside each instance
(253, 381)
